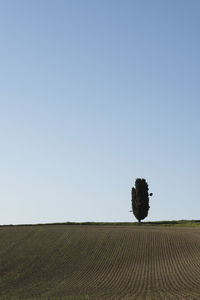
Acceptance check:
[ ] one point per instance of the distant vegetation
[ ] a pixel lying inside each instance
(140, 199)
(153, 223)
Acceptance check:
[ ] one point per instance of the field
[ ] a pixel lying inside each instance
(99, 262)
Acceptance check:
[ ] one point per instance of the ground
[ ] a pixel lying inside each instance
(99, 262)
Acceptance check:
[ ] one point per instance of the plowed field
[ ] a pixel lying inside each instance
(99, 262)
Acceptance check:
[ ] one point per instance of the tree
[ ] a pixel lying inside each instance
(140, 199)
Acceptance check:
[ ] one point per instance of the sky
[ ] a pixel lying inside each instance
(94, 94)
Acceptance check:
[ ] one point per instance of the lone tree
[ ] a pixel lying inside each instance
(140, 199)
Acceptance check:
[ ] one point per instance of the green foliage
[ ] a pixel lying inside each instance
(140, 199)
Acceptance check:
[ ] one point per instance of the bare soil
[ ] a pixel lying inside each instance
(99, 262)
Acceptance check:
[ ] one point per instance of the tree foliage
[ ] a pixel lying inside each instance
(140, 199)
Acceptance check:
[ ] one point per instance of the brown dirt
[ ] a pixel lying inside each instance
(99, 262)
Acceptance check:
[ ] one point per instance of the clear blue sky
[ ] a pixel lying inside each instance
(94, 94)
